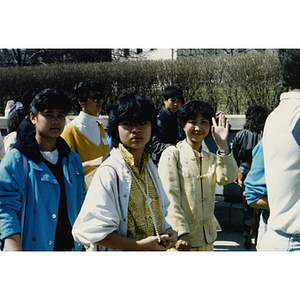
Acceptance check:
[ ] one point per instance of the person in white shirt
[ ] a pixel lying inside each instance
(281, 146)
(85, 134)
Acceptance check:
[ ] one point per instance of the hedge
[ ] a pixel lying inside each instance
(230, 83)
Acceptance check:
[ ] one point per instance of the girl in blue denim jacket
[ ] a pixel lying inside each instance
(52, 185)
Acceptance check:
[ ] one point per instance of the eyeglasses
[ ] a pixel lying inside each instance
(96, 97)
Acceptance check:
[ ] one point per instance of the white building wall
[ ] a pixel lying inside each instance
(161, 54)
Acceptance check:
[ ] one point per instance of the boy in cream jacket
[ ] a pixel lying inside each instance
(189, 175)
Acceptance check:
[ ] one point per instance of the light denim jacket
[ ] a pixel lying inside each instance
(42, 198)
(105, 207)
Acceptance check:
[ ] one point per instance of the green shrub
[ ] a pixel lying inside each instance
(230, 83)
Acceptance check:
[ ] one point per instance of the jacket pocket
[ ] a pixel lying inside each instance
(210, 230)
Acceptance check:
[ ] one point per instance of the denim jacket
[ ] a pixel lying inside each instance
(43, 195)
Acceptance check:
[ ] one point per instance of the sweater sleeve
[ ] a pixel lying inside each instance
(169, 175)
(255, 182)
(227, 169)
(12, 193)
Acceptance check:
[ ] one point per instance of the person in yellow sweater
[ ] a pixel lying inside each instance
(189, 176)
(85, 134)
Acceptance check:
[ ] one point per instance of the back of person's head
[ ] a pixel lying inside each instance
(82, 91)
(133, 108)
(49, 99)
(173, 91)
(290, 67)
(281, 88)
(14, 119)
(256, 116)
(191, 109)
(27, 98)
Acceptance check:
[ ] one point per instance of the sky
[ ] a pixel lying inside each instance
(156, 24)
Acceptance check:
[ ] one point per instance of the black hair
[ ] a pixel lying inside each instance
(27, 98)
(256, 116)
(50, 98)
(172, 91)
(130, 107)
(82, 91)
(191, 109)
(290, 67)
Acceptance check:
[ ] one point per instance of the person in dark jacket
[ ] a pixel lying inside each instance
(26, 126)
(169, 131)
(243, 144)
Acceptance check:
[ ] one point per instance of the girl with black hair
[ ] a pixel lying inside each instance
(189, 175)
(125, 207)
(41, 182)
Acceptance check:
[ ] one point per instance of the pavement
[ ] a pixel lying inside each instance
(231, 241)
(228, 217)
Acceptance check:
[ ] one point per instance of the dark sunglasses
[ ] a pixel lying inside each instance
(96, 97)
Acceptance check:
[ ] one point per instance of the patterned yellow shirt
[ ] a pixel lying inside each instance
(140, 224)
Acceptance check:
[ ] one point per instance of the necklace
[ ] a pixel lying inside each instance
(148, 199)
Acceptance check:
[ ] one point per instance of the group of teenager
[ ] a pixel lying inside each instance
(133, 202)
(144, 183)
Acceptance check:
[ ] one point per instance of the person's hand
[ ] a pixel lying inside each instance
(184, 243)
(96, 162)
(169, 238)
(13, 243)
(150, 243)
(220, 132)
(218, 114)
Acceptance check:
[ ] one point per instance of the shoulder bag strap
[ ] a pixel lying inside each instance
(115, 172)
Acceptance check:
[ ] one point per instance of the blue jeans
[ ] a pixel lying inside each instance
(263, 226)
(275, 241)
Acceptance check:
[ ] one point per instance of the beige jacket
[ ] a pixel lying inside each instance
(190, 187)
